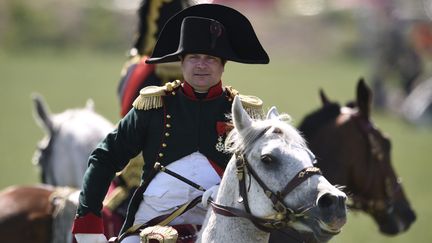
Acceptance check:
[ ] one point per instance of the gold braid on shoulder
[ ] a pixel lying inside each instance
(150, 97)
(252, 104)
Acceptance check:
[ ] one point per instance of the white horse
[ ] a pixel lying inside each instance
(269, 183)
(70, 138)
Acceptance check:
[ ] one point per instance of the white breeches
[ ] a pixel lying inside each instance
(132, 239)
(166, 193)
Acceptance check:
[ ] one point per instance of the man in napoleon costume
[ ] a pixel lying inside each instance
(181, 125)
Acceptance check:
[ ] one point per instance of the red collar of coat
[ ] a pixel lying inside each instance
(213, 92)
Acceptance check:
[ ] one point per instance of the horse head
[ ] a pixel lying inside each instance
(353, 152)
(272, 180)
(70, 137)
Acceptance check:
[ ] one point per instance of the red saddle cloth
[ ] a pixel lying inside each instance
(112, 223)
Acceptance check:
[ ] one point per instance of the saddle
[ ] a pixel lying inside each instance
(184, 233)
(156, 230)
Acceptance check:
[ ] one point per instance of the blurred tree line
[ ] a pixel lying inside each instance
(65, 25)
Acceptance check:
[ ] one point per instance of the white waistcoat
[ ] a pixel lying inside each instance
(166, 192)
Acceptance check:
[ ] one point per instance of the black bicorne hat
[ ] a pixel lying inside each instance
(211, 29)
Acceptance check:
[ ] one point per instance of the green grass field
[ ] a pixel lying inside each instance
(67, 80)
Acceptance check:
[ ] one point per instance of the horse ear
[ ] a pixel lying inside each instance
(240, 117)
(42, 114)
(272, 113)
(364, 98)
(90, 105)
(324, 100)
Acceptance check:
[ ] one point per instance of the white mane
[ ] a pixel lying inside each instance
(236, 143)
(65, 204)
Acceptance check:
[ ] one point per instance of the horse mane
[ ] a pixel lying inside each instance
(239, 143)
(65, 203)
(318, 118)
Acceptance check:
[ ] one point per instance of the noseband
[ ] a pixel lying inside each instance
(284, 213)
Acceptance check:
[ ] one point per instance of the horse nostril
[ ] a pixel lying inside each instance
(327, 200)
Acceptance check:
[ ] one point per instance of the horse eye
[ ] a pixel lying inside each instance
(266, 159)
(277, 130)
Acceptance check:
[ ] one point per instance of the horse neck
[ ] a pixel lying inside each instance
(65, 201)
(330, 146)
(79, 133)
(69, 161)
(228, 189)
(232, 229)
(219, 228)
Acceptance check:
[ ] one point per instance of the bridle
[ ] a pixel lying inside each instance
(284, 213)
(375, 155)
(44, 154)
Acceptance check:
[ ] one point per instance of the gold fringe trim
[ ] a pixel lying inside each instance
(162, 234)
(147, 103)
(231, 91)
(255, 113)
(252, 104)
(151, 96)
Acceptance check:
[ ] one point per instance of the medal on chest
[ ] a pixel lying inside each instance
(222, 129)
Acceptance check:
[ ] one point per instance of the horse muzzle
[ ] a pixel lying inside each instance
(328, 217)
(396, 220)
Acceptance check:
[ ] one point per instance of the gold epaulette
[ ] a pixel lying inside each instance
(150, 97)
(252, 104)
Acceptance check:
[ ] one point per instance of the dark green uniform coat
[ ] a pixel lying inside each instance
(179, 126)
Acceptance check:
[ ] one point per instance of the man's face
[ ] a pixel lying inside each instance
(202, 71)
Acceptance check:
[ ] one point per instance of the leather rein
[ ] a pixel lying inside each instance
(284, 213)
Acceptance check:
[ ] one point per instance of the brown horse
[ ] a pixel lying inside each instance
(352, 152)
(28, 214)
(364, 153)
(43, 214)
